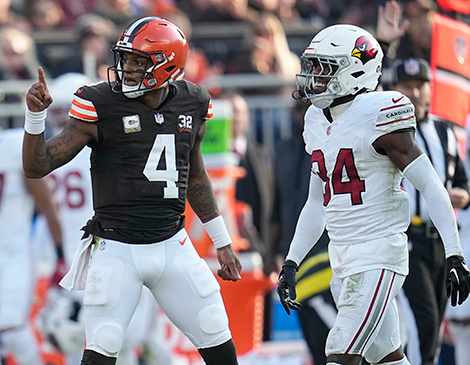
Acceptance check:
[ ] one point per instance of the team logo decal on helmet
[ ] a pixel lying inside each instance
(365, 49)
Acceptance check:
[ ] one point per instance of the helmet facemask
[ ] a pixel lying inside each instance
(155, 61)
(318, 73)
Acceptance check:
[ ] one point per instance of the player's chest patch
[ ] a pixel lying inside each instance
(185, 123)
(159, 118)
(131, 124)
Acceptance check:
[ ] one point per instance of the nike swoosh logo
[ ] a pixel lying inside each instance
(79, 91)
(453, 271)
(396, 100)
(183, 241)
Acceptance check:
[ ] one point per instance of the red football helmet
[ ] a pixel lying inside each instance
(159, 40)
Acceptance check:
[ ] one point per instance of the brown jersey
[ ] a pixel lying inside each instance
(140, 165)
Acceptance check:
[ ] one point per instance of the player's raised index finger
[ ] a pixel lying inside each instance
(42, 77)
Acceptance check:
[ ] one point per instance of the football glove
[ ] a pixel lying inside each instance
(286, 286)
(60, 271)
(458, 284)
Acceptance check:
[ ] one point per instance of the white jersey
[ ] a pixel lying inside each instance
(73, 193)
(366, 210)
(16, 204)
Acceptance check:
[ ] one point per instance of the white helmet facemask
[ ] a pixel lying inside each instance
(347, 56)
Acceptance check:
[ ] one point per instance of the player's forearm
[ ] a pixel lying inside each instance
(422, 175)
(311, 223)
(202, 198)
(35, 161)
(310, 227)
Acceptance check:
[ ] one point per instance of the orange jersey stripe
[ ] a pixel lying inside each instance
(83, 106)
(81, 116)
(209, 114)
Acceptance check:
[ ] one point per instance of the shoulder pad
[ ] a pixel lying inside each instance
(395, 112)
(197, 94)
(83, 107)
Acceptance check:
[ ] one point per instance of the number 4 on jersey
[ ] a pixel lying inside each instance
(344, 162)
(163, 144)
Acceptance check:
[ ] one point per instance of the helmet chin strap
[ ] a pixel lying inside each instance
(132, 92)
(322, 101)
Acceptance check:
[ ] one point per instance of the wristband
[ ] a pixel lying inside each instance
(35, 122)
(218, 232)
(59, 252)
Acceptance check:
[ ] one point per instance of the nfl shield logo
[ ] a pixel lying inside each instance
(411, 67)
(159, 118)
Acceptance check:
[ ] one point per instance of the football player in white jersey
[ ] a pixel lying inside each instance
(361, 144)
(18, 198)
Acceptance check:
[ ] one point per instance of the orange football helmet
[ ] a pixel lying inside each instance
(162, 42)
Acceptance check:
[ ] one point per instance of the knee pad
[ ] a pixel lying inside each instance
(108, 338)
(212, 319)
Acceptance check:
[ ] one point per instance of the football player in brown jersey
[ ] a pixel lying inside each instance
(145, 129)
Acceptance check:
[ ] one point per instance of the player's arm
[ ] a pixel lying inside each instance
(202, 199)
(311, 222)
(405, 153)
(309, 228)
(46, 205)
(40, 157)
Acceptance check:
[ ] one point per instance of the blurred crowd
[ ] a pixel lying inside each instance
(68, 36)
(254, 37)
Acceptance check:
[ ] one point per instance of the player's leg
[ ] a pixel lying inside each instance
(189, 294)
(112, 292)
(154, 350)
(387, 338)
(16, 288)
(364, 300)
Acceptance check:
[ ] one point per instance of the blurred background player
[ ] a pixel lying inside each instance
(61, 320)
(459, 317)
(18, 198)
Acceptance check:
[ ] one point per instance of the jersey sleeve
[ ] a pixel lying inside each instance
(82, 108)
(210, 113)
(396, 112)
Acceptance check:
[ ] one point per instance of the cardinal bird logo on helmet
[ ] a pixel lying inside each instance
(365, 48)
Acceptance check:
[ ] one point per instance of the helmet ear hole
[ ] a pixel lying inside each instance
(357, 74)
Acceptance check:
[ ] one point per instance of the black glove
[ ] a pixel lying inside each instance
(458, 281)
(286, 286)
